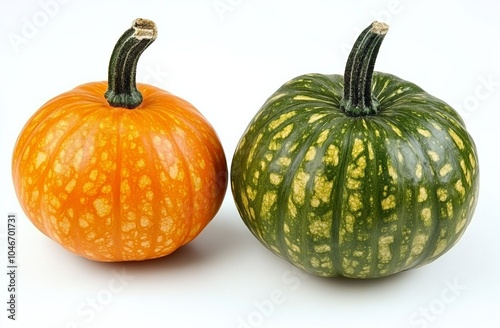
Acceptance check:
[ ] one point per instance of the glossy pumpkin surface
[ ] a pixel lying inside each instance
(356, 195)
(116, 184)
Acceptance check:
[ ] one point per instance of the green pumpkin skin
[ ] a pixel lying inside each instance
(360, 197)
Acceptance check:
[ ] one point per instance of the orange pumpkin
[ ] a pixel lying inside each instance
(132, 175)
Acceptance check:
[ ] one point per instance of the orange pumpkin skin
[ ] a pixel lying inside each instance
(114, 184)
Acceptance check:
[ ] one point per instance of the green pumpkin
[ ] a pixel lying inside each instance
(362, 175)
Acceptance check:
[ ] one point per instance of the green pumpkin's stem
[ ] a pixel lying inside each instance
(358, 99)
(122, 90)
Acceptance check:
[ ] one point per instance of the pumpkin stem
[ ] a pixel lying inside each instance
(122, 90)
(358, 99)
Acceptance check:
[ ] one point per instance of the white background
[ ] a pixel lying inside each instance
(226, 57)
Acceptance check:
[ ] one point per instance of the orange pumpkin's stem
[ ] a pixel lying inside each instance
(122, 90)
